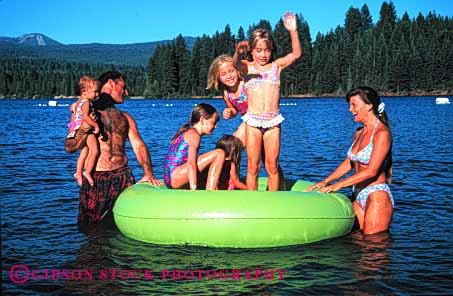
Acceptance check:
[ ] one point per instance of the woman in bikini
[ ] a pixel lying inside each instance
(370, 155)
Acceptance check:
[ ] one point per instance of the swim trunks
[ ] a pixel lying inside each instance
(97, 201)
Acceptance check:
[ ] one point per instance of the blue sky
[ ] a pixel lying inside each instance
(130, 21)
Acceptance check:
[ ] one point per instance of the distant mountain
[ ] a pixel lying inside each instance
(33, 39)
(40, 46)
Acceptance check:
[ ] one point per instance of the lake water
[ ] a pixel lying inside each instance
(39, 205)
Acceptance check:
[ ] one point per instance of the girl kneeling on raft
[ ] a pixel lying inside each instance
(183, 163)
(229, 178)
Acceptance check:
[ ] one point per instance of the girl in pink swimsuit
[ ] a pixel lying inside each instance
(370, 155)
(222, 74)
(82, 130)
(262, 83)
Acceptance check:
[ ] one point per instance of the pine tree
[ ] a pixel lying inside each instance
(303, 66)
(399, 79)
(241, 35)
(262, 24)
(353, 22)
(227, 41)
(195, 66)
(182, 56)
(367, 20)
(405, 25)
(317, 64)
(387, 20)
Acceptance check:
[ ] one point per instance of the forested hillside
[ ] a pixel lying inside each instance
(393, 54)
(397, 55)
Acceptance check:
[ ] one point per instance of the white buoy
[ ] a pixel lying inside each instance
(442, 101)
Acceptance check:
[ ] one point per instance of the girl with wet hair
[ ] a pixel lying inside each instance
(232, 146)
(183, 164)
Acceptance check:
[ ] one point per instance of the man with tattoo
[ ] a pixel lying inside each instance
(112, 173)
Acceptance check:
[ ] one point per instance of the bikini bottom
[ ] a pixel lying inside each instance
(362, 195)
(263, 121)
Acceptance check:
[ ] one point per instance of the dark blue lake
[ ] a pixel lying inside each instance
(39, 205)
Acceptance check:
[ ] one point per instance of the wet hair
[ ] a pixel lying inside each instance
(369, 96)
(114, 75)
(201, 110)
(232, 147)
(84, 84)
(262, 34)
(213, 73)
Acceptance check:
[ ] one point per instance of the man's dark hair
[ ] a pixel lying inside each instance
(114, 75)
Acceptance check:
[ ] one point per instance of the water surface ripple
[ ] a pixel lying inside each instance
(39, 205)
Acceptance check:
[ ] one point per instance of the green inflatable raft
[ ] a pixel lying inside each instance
(238, 219)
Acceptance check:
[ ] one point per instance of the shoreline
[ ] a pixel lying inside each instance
(301, 96)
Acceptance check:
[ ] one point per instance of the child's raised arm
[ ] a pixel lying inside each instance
(230, 111)
(193, 139)
(241, 65)
(87, 118)
(234, 176)
(290, 23)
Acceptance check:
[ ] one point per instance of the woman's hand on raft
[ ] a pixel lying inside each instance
(331, 188)
(316, 186)
(150, 179)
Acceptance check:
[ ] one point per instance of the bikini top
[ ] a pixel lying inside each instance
(364, 155)
(270, 76)
(240, 102)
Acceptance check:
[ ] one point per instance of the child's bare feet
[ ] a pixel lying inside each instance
(89, 179)
(78, 178)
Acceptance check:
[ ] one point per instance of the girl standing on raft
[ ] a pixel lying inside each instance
(183, 163)
(262, 86)
(371, 157)
(223, 74)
